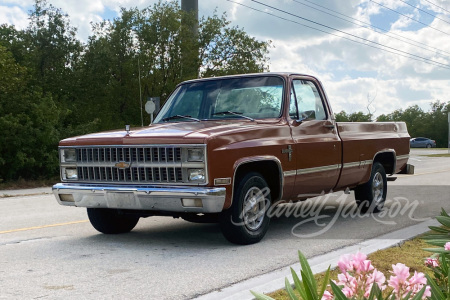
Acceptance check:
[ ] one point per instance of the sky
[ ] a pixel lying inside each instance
(342, 48)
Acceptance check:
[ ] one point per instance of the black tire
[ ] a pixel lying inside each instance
(244, 228)
(109, 221)
(429, 146)
(370, 197)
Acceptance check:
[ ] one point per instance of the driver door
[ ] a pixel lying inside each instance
(317, 147)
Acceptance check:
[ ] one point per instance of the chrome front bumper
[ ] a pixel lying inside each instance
(138, 197)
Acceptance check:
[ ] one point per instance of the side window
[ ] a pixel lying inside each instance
(309, 102)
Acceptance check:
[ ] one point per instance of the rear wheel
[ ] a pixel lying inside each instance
(110, 221)
(246, 221)
(428, 145)
(370, 197)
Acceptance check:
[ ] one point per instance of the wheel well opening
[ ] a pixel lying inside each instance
(387, 160)
(269, 170)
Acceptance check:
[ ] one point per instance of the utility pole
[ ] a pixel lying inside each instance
(191, 6)
(189, 49)
(449, 132)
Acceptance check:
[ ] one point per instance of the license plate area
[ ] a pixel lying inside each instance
(123, 200)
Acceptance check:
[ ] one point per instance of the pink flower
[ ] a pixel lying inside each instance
(345, 263)
(327, 296)
(401, 271)
(378, 278)
(348, 292)
(427, 292)
(417, 278)
(447, 246)
(432, 262)
(366, 266)
(358, 260)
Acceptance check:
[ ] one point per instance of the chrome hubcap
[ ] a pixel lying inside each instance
(377, 188)
(254, 209)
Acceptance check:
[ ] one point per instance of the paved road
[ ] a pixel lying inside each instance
(48, 251)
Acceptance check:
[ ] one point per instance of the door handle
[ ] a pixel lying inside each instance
(331, 126)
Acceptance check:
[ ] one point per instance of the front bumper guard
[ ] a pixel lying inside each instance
(138, 197)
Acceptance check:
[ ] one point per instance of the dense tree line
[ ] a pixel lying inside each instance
(53, 86)
(432, 124)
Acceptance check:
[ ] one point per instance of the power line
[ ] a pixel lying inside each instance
(352, 35)
(422, 10)
(369, 26)
(342, 37)
(409, 17)
(437, 5)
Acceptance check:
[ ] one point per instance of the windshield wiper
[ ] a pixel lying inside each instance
(180, 117)
(234, 113)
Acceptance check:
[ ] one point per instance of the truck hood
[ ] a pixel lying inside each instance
(165, 133)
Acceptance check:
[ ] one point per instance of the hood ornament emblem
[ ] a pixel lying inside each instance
(127, 129)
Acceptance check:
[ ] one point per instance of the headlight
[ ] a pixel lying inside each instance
(195, 154)
(197, 175)
(69, 155)
(70, 174)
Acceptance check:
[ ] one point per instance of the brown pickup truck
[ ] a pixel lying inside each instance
(225, 149)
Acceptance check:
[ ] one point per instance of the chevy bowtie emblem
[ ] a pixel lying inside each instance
(122, 165)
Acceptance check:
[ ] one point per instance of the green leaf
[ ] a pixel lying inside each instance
(298, 284)
(438, 242)
(309, 291)
(325, 282)
(289, 289)
(444, 213)
(338, 294)
(307, 271)
(436, 293)
(444, 220)
(260, 296)
(432, 236)
(436, 250)
(439, 229)
(373, 292)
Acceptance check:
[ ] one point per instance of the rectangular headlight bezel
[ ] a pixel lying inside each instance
(196, 175)
(68, 155)
(195, 154)
(69, 173)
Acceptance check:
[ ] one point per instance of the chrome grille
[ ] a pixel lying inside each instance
(129, 154)
(149, 164)
(140, 174)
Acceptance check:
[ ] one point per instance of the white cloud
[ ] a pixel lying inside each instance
(13, 15)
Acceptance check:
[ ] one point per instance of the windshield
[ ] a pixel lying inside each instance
(238, 98)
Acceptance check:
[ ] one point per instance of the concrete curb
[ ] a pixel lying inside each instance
(25, 192)
(273, 281)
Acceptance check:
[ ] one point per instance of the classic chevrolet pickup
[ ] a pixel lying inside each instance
(225, 149)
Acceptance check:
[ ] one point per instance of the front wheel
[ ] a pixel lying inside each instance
(370, 197)
(246, 221)
(110, 221)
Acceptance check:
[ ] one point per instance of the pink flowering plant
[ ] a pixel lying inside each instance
(358, 280)
(439, 263)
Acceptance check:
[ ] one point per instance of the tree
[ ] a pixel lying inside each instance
(28, 119)
(353, 117)
(432, 124)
